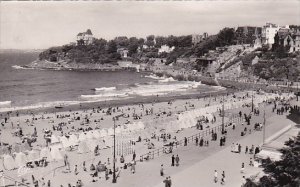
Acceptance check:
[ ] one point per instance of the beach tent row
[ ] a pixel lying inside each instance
(87, 141)
(20, 159)
(189, 118)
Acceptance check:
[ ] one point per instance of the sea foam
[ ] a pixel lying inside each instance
(105, 89)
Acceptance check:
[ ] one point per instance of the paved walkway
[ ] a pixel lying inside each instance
(197, 164)
(201, 173)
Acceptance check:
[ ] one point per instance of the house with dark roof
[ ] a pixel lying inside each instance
(286, 38)
(85, 38)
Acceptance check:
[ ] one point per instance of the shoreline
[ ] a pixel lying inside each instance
(117, 103)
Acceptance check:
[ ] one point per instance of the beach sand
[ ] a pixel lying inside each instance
(46, 118)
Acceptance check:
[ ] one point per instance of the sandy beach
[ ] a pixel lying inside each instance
(141, 127)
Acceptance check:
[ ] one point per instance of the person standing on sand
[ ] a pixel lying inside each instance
(166, 181)
(216, 176)
(170, 182)
(223, 178)
(173, 160)
(243, 181)
(243, 168)
(177, 160)
(76, 170)
(162, 170)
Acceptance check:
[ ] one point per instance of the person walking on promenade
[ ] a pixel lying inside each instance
(216, 176)
(246, 150)
(133, 156)
(173, 160)
(243, 181)
(223, 178)
(243, 168)
(185, 141)
(177, 160)
(168, 182)
(76, 170)
(133, 167)
(239, 148)
(162, 170)
(251, 162)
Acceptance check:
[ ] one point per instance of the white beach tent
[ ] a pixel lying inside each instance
(89, 135)
(55, 154)
(65, 142)
(73, 140)
(141, 125)
(9, 162)
(83, 147)
(101, 144)
(108, 141)
(96, 134)
(103, 133)
(45, 152)
(82, 136)
(92, 144)
(54, 139)
(33, 155)
(118, 130)
(110, 131)
(20, 159)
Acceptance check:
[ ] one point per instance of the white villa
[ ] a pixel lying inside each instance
(165, 49)
(85, 38)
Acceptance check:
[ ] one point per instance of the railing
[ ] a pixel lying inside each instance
(16, 183)
(161, 151)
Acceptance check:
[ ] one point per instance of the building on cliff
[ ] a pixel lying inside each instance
(197, 38)
(288, 39)
(85, 38)
(248, 34)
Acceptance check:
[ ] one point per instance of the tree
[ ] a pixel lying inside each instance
(122, 41)
(226, 37)
(133, 45)
(150, 40)
(285, 172)
(111, 47)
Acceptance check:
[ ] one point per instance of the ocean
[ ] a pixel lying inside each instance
(21, 87)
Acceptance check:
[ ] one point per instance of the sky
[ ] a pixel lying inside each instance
(39, 25)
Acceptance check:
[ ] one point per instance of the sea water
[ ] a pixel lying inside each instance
(23, 87)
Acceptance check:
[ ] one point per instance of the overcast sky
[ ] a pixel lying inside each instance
(37, 25)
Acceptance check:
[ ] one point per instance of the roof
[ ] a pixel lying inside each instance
(89, 32)
(80, 34)
(273, 155)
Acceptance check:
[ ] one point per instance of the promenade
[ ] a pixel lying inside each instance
(202, 173)
(197, 164)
